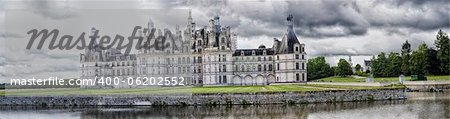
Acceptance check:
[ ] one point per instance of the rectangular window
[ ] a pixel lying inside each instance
(278, 66)
(297, 56)
(303, 66)
(297, 77)
(224, 79)
(297, 65)
(224, 58)
(303, 77)
(224, 68)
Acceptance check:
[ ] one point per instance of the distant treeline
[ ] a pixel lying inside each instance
(423, 61)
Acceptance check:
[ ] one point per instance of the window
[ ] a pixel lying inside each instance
(297, 56)
(296, 48)
(297, 77)
(199, 59)
(303, 56)
(270, 67)
(303, 66)
(278, 66)
(259, 67)
(224, 68)
(278, 57)
(297, 65)
(259, 58)
(224, 79)
(303, 77)
(224, 58)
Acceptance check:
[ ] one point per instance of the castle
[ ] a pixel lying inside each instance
(203, 56)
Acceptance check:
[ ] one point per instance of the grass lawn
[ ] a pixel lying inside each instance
(379, 79)
(186, 90)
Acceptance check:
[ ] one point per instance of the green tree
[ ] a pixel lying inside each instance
(406, 51)
(344, 68)
(358, 68)
(379, 65)
(419, 60)
(393, 67)
(433, 62)
(442, 44)
(334, 70)
(318, 68)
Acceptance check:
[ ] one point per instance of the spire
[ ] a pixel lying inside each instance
(190, 17)
(92, 36)
(290, 22)
(350, 60)
(150, 24)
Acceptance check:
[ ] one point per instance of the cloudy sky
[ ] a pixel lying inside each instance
(331, 28)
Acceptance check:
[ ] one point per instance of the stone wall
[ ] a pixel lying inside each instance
(211, 99)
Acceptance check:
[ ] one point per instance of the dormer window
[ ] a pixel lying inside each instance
(253, 52)
(242, 53)
(264, 52)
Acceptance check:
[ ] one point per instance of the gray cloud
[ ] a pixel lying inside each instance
(324, 18)
(51, 9)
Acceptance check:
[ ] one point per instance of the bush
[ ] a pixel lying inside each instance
(364, 74)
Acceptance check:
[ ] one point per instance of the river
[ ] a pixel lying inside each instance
(419, 105)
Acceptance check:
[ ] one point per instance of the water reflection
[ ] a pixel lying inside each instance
(419, 105)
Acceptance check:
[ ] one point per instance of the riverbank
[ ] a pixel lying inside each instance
(378, 79)
(282, 96)
(187, 90)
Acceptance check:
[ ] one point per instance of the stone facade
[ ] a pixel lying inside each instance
(203, 56)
